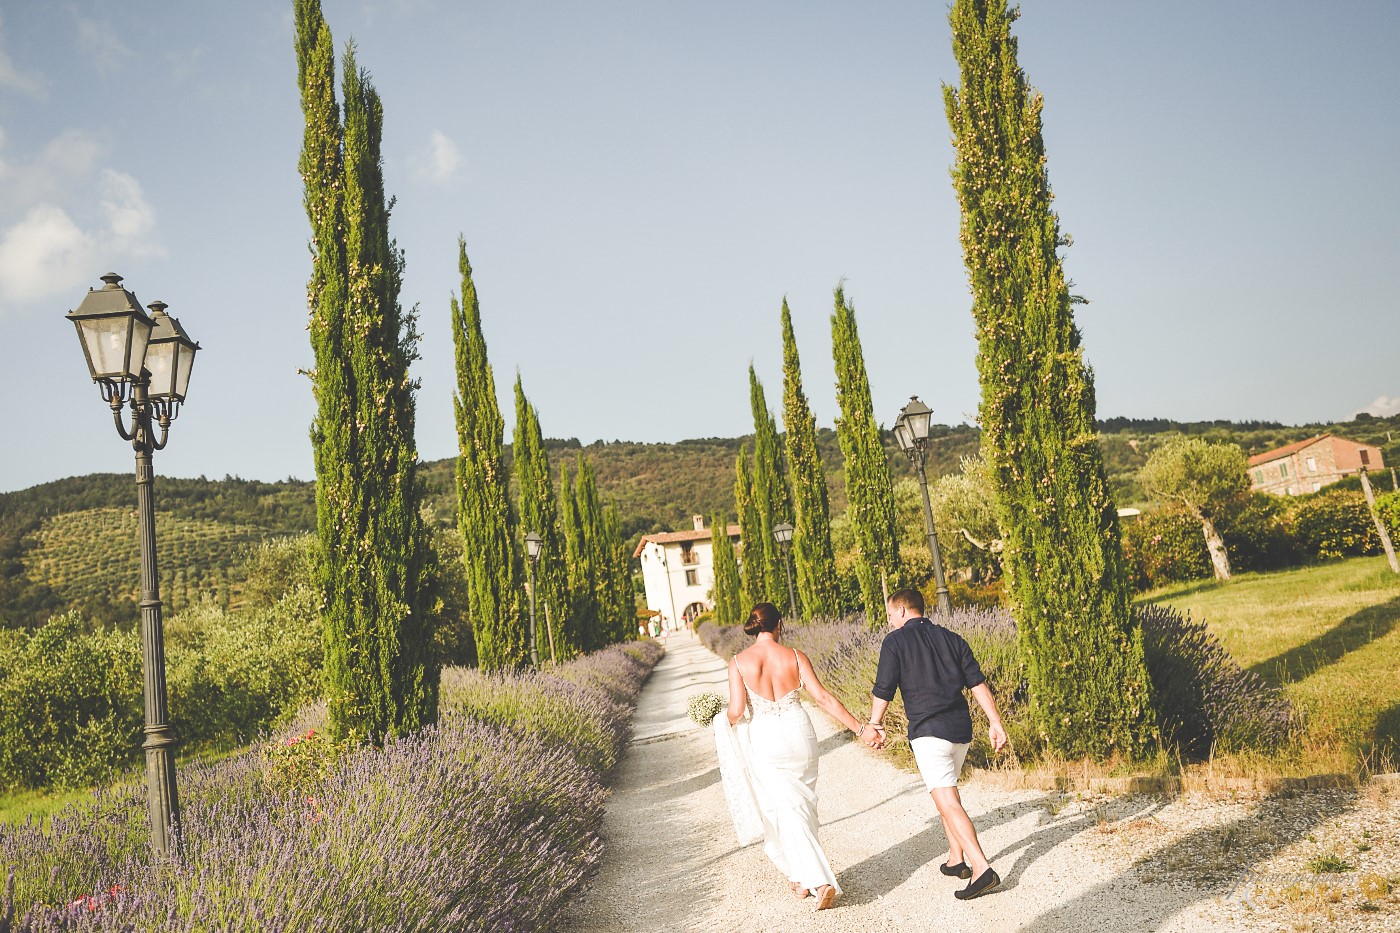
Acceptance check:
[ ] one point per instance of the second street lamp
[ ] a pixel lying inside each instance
(782, 533)
(534, 544)
(144, 360)
(911, 430)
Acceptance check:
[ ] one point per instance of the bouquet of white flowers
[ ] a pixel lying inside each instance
(703, 707)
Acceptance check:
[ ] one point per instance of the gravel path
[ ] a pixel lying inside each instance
(1067, 863)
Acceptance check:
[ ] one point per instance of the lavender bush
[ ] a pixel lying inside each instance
(1204, 701)
(477, 823)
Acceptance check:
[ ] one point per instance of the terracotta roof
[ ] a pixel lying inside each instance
(1285, 450)
(674, 537)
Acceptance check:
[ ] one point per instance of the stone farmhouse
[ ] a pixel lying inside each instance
(1307, 466)
(678, 572)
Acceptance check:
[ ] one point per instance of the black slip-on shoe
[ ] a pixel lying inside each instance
(981, 885)
(959, 870)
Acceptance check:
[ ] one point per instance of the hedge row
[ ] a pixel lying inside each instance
(1204, 701)
(488, 821)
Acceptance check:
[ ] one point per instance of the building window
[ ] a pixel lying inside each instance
(1316, 486)
(688, 554)
(1312, 464)
(692, 578)
(1259, 476)
(1283, 470)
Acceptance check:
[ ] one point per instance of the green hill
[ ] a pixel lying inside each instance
(73, 541)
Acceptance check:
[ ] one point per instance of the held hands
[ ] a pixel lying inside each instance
(872, 734)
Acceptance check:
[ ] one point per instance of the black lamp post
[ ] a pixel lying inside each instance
(782, 533)
(533, 545)
(143, 360)
(911, 430)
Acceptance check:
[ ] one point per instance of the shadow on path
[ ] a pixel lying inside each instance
(1101, 904)
(1355, 631)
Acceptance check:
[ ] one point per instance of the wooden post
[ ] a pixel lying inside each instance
(549, 627)
(1376, 516)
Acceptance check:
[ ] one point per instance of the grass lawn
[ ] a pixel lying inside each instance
(1329, 634)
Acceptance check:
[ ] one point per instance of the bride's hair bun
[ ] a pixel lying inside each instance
(765, 617)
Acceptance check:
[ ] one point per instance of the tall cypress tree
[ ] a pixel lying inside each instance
(770, 492)
(750, 532)
(622, 596)
(814, 559)
(596, 551)
(869, 491)
(728, 597)
(583, 598)
(381, 672)
(489, 549)
(539, 513)
(1083, 651)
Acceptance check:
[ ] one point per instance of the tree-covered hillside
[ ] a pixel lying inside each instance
(44, 569)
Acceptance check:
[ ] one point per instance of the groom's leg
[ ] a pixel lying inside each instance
(959, 824)
(955, 849)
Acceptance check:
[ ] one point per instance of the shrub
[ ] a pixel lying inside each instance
(70, 704)
(462, 826)
(1205, 701)
(1256, 534)
(1388, 505)
(1334, 523)
(1164, 546)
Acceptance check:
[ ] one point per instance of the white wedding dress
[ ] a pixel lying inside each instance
(768, 766)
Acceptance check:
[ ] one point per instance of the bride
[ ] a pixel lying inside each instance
(778, 752)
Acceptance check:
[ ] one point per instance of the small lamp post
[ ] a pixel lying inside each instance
(911, 430)
(534, 544)
(143, 360)
(782, 533)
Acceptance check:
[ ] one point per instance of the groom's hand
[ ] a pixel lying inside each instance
(998, 736)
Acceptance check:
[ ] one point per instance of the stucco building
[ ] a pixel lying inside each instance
(678, 571)
(1307, 466)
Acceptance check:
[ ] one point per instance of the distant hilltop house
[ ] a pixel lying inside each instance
(1307, 466)
(678, 571)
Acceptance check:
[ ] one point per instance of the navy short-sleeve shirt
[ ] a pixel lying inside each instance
(930, 666)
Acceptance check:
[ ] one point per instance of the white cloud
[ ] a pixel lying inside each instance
(100, 45)
(47, 253)
(1384, 406)
(65, 163)
(440, 162)
(31, 85)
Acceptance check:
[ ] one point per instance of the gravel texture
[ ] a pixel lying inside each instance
(1068, 863)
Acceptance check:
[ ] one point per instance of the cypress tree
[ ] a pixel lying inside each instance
(770, 491)
(814, 559)
(869, 490)
(539, 512)
(493, 560)
(1069, 587)
(728, 597)
(596, 550)
(381, 671)
(583, 598)
(622, 597)
(750, 533)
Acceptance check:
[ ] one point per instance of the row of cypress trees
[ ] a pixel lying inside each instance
(584, 596)
(374, 558)
(785, 481)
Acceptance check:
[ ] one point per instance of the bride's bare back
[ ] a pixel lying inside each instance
(769, 669)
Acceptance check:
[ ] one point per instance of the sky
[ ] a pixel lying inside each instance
(640, 185)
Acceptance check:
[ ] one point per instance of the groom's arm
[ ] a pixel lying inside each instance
(997, 732)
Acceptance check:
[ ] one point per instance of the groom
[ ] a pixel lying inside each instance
(930, 666)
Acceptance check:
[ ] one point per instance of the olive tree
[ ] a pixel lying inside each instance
(1204, 478)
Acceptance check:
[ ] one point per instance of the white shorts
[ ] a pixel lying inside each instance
(940, 761)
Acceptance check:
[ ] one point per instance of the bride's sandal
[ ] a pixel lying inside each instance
(797, 889)
(826, 897)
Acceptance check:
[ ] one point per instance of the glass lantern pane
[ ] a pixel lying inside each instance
(182, 370)
(918, 423)
(160, 363)
(902, 435)
(105, 340)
